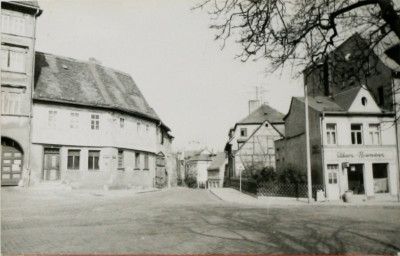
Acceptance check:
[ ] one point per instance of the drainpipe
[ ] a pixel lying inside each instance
(397, 137)
(31, 100)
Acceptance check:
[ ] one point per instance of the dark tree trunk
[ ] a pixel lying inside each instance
(390, 16)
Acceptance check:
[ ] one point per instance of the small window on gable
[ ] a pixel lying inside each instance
(243, 132)
(122, 122)
(364, 101)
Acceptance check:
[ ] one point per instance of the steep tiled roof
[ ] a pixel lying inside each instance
(346, 98)
(262, 114)
(217, 162)
(66, 80)
(321, 103)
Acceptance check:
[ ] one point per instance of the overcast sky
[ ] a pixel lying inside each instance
(198, 90)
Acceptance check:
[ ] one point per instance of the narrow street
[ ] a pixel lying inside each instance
(186, 221)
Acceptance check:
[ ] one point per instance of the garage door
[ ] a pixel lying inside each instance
(11, 163)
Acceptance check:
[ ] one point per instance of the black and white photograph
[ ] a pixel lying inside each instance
(200, 127)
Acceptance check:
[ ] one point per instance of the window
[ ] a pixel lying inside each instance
(270, 145)
(11, 102)
(74, 120)
(138, 127)
(243, 132)
(356, 134)
(331, 134)
(13, 25)
(95, 122)
(120, 159)
(332, 173)
(13, 59)
(137, 160)
(364, 101)
(122, 122)
(381, 98)
(73, 159)
(374, 133)
(147, 128)
(93, 160)
(146, 161)
(52, 122)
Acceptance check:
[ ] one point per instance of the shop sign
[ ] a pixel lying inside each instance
(360, 154)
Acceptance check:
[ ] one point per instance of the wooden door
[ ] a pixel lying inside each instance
(51, 164)
(11, 165)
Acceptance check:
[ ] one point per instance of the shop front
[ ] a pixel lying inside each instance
(367, 171)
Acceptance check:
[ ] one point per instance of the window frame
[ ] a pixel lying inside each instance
(355, 132)
(121, 122)
(243, 132)
(146, 161)
(137, 160)
(331, 135)
(378, 132)
(7, 99)
(6, 27)
(74, 154)
(94, 154)
(120, 159)
(74, 120)
(95, 122)
(52, 118)
(11, 63)
(333, 174)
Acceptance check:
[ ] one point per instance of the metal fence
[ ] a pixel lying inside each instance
(273, 189)
(286, 190)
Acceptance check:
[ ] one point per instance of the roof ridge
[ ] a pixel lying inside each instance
(83, 62)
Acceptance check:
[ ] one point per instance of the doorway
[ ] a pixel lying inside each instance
(332, 186)
(11, 162)
(51, 164)
(381, 181)
(355, 175)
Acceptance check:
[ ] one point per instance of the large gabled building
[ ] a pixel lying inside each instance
(74, 122)
(353, 145)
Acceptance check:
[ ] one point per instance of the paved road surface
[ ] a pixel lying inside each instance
(186, 221)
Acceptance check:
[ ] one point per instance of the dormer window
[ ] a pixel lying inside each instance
(243, 132)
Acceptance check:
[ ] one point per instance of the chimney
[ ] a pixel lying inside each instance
(253, 105)
(93, 60)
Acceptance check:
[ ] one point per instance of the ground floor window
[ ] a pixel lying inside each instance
(93, 160)
(120, 159)
(380, 173)
(332, 173)
(73, 159)
(146, 161)
(137, 160)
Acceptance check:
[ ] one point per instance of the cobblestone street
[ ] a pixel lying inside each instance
(186, 221)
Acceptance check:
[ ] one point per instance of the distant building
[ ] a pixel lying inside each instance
(251, 141)
(216, 171)
(352, 144)
(76, 122)
(196, 163)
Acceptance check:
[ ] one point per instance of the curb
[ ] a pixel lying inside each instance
(216, 195)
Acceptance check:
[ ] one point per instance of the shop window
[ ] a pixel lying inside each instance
(375, 134)
(13, 59)
(332, 173)
(137, 160)
(73, 159)
(11, 103)
(356, 134)
(120, 159)
(331, 134)
(243, 132)
(52, 121)
(74, 120)
(380, 173)
(95, 122)
(93, 160)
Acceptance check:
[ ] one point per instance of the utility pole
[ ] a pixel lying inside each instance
(307, 143)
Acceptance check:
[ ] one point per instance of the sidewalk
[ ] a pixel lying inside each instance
(234, 196)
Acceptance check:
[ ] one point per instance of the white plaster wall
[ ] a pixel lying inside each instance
(110, 133)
